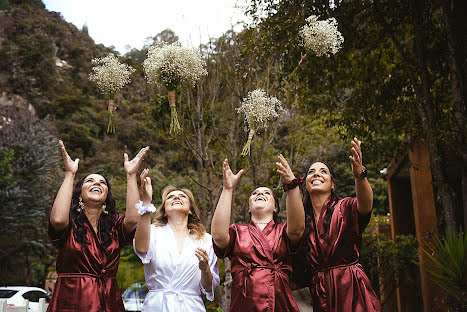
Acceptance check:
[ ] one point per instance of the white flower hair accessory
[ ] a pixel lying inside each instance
(110, 76)
(259, 108)
(171, 65)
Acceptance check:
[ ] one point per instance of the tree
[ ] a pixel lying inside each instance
(5, 5)
(390, 76)
(30, 157)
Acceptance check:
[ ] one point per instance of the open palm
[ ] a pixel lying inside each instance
(70, 165)
(230, 179)
(132, 166)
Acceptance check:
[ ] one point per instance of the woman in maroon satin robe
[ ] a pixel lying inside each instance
(328, 259)
(259, 251)
(88, 234)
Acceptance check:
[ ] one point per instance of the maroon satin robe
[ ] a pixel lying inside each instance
(261, 268)
(87, 275)
(338, 283)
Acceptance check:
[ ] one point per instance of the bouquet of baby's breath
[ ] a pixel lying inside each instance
(171, 65)
(259, 108)
(321, 37)
(110, 76)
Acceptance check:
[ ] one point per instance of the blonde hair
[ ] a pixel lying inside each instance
(195, 226)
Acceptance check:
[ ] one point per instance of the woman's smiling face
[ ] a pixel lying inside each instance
(262, 199)
(318, 179)
(177, 201)
(94, 189)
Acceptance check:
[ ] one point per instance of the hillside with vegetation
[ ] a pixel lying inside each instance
(363, 91)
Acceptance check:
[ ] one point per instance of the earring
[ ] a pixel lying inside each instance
(80, 204)
(103, 209)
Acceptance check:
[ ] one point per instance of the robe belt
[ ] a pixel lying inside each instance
(100, 282)
(180, 294)
(249, 267)
(318, 284)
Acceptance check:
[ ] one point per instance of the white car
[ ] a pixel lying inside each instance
(133, 297)
(16, 296)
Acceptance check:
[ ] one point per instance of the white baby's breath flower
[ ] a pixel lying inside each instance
(321, 37)
(171, 64)
(110, 75)
(259, 108)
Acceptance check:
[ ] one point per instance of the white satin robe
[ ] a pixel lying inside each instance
(173, 279)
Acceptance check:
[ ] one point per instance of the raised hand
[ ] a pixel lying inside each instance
(70, 165)
(146, 186)
(131, 167)
(203, 259)
(229, 179)
(356, 157)
(284, 170)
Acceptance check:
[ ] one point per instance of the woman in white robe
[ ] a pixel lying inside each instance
(177, 252)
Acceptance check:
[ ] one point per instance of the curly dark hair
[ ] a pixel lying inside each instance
(106, 220)
(302, 271)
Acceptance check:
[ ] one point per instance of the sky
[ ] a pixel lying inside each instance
(121, 23)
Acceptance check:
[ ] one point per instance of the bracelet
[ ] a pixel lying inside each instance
(143, 209)
(295, 182)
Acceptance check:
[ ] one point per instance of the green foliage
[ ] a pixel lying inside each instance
(37, 3)
(6, 168)
(130, 269)
(30, 156)
(5, 5)
(388, 263)
(449, 271)
(85, 29)
(367, 88)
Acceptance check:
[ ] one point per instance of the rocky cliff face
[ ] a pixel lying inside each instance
(42, 57)
(45, 62)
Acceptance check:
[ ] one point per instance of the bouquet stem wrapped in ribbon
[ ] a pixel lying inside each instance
(247, 147)
(171, 65)
(174, 124)
(111, 108)
(259, 108)
(110, 76)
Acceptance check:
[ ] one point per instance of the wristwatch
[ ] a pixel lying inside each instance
(364, 173)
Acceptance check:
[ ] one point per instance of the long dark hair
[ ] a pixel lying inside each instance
(302, 260)
(106, 220)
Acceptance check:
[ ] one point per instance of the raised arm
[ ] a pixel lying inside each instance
(60, 214)
(362, 186)
(294, 205)
(221, 219)
(132, 193)
(143, 230)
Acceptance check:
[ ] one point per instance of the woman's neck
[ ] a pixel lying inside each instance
(317, 200)
(178, 223)
(93, 212)
(261, 220)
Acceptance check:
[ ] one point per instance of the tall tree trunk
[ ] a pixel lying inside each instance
(445, 194)
(227, 286)
(454, 14)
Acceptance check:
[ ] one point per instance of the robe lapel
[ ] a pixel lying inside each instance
(260, 243)
(175, 257)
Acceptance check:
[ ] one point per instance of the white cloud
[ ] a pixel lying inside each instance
(121, 23)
